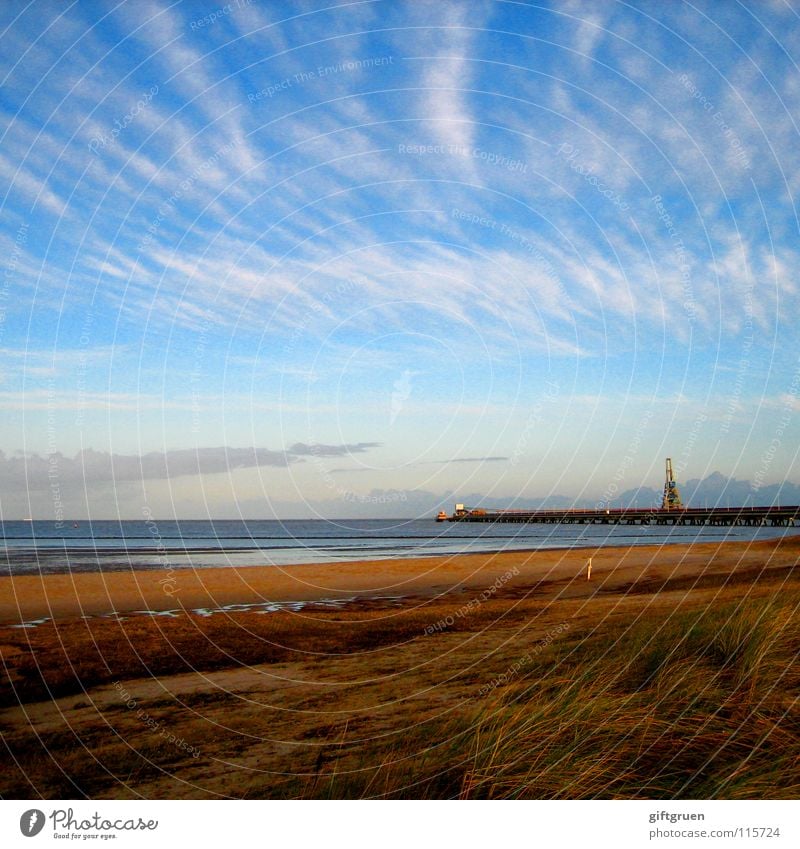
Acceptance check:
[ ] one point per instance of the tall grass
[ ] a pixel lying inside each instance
(693, 706)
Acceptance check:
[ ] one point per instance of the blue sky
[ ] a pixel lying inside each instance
(350, 259)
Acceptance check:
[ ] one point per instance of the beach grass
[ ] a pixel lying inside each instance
(699, 705)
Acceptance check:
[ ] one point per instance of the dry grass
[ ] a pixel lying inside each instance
(689, 706)
(697, 707)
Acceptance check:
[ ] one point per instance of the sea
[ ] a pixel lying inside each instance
(42, 547)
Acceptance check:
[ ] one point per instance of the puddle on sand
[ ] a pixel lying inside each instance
(173, 614)
(253, 607)
(31, 624)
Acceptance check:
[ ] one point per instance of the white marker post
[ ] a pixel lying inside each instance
(589, 570)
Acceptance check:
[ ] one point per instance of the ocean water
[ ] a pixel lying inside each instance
(43, 547)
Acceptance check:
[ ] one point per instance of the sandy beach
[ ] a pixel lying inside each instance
(389, 692)
(553, 572)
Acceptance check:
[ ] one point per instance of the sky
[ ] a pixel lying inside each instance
(352, 259)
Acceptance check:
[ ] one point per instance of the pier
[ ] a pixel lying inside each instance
(745, 516)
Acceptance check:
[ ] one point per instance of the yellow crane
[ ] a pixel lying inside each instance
(672, 496)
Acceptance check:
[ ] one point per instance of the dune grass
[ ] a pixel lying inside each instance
(698, 705)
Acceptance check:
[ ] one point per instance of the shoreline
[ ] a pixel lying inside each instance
(112, 559)
(556, 572)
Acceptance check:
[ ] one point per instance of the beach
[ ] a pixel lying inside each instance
(556, 573)
(349, 679)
